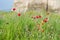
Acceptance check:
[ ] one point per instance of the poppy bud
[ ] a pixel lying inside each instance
(42, 30)
(33, 17)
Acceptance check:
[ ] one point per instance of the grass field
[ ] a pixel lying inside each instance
(24, 27)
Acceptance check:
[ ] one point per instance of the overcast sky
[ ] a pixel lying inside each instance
(6, 4)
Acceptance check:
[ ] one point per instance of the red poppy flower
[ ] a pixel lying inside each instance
(40, 16)
(45, 20)
(37, 16)
(19, 14)
(14, 9)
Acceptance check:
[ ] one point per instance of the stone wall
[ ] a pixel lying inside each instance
(24, 5)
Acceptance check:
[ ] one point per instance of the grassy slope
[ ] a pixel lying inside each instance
(13, 27)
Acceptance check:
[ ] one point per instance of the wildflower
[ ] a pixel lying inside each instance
(45, 20)
(19, 14)
(14, 9)
(38, 16)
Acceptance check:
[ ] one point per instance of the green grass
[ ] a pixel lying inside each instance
(14, 27)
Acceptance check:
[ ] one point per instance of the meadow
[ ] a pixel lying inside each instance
(31, 25)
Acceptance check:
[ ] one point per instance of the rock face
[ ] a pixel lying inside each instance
(24, 5)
